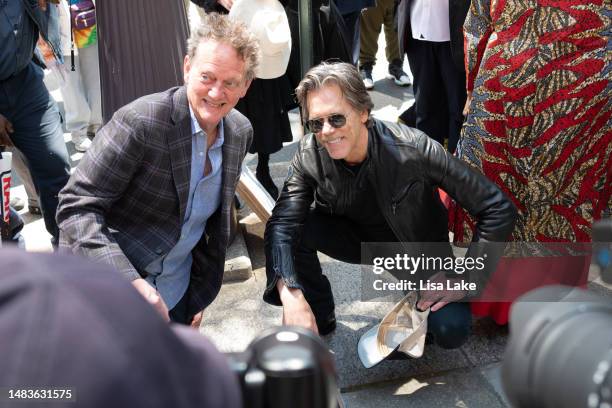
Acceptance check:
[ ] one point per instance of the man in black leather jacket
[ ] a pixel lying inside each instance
(371, 181)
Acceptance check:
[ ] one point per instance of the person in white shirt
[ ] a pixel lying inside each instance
(431, 34)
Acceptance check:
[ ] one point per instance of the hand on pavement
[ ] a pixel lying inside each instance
(197, 320)
(296, 310)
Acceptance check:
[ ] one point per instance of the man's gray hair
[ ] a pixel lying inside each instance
(342, 74)
(221, 28)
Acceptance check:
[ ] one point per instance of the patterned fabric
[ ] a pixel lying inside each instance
(86, 36)
(539, 121)
(126, 201)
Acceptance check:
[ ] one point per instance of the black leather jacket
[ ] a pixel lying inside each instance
(407, 167)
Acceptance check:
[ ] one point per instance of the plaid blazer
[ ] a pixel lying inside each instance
(125, 203)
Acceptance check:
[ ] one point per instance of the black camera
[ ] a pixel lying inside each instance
(560, 349)
(287, 367)
(559, 353)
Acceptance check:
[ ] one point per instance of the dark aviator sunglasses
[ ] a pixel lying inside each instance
(336, 121)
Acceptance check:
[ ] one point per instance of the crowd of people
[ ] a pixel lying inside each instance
(510, 141)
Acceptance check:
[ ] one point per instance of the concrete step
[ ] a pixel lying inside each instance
(237, 261)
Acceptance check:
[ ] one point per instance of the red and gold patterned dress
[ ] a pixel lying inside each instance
(539, 120)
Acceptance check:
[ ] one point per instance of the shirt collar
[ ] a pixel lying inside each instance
(195, 129)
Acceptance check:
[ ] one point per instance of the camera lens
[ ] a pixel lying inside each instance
(560, 350)
(291, 378)
(287, 367)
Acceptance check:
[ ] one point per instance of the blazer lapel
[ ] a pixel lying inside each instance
(179, 145)
(231, 162)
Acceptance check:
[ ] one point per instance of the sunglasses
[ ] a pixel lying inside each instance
(336, 121)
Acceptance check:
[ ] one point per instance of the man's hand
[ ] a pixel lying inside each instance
(197, 320)
(227, 4)
(437, 299)
(152, 296)
(6, 128)
(296, 310)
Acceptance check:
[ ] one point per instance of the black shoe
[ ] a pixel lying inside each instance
(397, 74)
(366, 75)
(34, 209)
(327, 325)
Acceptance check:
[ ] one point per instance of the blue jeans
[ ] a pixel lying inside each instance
(26, 103)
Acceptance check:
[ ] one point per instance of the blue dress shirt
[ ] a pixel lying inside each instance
(170, 274)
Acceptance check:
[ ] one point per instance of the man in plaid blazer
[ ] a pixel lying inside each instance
(153, 195)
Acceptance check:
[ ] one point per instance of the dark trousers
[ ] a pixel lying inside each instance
(353, 30)
(341, 239)
(439, 90)
(179, 313)
(26, 103)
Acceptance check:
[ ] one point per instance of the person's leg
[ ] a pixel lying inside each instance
(392, 46)
(371, 21)
(352, 24)
(451, 325)
(430, 106)
(335, 237)
(90, 77)
(395, 69)
(20, 165)
(38, 134)
(76, 107)
(454, 85)
(262, 173)
(179, 314)
(10, 233)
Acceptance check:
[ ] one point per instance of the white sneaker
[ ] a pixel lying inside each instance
(398, 75)
(81, 143)
(366, 76)
(403, 80)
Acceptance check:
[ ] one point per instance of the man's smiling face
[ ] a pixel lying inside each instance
(215, 78)
(348, 142)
